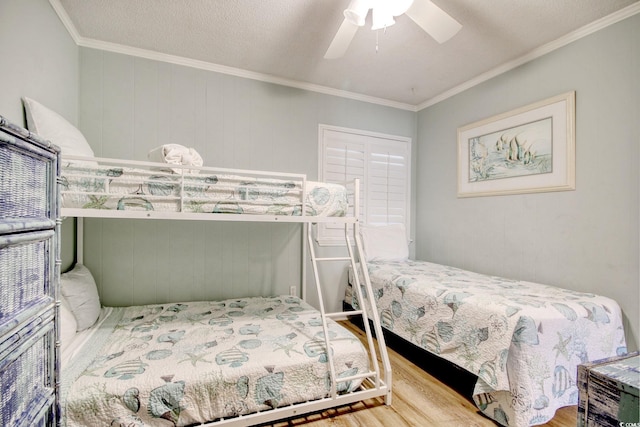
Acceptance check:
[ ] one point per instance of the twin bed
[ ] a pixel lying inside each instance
(523, 341)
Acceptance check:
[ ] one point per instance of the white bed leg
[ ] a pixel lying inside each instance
(80, 240)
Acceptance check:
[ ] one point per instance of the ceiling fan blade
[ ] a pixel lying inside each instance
(435, 21)
(342, 40)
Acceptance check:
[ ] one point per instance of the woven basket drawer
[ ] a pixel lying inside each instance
(26, 382)
(26, 261)
(27, 193)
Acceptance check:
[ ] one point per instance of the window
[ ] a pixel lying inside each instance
(382, 162)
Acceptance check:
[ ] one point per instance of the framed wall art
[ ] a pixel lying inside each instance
(527, 150)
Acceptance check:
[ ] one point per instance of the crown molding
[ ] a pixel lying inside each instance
(208, 66)
(237, 72)
(66, 21)
(536, 53)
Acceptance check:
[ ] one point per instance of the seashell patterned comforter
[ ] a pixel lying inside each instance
(523, 340)
(194, 362)
(88, 186)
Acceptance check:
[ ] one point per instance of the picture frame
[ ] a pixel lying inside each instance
(527, 150)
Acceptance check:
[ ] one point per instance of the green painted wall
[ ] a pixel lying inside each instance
(130, 105)
(585, 239)
(39, 60)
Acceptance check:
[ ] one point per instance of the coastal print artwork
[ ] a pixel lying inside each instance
(518, 151)
(527, 150)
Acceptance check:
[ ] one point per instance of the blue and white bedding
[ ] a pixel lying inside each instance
(195, 362)
(92, 186)
(523, 340)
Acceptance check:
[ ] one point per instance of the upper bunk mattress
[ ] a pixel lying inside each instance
(190, 363)
(89, 186)
(523, 340)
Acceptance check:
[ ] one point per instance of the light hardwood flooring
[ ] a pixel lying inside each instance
(419, 399)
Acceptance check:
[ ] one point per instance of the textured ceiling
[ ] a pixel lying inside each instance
(286, 39)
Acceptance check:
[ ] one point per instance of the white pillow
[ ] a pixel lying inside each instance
(68, 324)
(50, 125)
(385, 242)
(79, 289)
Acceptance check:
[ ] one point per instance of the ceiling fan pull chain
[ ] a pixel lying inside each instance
(436, 22)
(384, 29)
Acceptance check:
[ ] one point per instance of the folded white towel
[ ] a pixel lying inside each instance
(176, 154)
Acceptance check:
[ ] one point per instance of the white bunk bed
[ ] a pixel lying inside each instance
(109, 188)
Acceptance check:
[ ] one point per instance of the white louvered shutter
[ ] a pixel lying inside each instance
(381, 162)
(388, 185)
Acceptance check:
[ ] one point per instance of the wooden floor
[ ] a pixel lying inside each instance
(419, 399)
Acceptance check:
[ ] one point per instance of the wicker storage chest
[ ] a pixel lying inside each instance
(29, 278)
(609, 392)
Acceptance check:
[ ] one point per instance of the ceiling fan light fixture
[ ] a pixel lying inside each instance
(382, 18)
(433, 20)
(357, 12)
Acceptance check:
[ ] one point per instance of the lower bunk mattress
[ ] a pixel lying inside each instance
(522, 340)
(196, 362)
(89, 186)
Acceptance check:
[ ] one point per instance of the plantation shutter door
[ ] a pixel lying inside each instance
(387, 179)
(343, 159)
(381, 162)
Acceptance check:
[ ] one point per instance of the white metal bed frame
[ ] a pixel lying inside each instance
(376, 382)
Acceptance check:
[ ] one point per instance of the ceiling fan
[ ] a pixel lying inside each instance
(436, 22)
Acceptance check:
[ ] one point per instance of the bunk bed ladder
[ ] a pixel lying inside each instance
(368, 303)
(375, 376)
